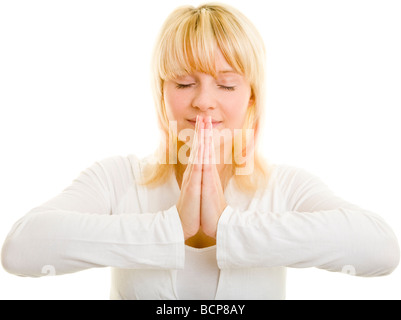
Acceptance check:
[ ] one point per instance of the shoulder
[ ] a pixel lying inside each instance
(121, 167)
(291, 177)
(123, 161)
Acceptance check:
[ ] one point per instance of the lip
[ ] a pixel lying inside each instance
(215, 123)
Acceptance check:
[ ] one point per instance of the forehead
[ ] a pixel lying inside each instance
(221, 63)
(218, 67)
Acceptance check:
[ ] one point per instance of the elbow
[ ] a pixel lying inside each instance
(9, 258)
(20, 253)
(379, 250)
(391, 257)
(381, 260)
(8, 261)
(387, 253)
(14, 260)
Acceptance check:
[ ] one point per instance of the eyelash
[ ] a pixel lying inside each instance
(184, 86)
(227, 88)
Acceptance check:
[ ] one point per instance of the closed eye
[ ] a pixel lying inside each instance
(227, 88)
(183, 86)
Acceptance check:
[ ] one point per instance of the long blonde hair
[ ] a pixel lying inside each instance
(187, 42)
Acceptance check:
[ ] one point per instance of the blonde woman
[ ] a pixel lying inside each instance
(205, 217)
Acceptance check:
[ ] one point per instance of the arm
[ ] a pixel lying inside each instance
(318, 229)
(76, 230)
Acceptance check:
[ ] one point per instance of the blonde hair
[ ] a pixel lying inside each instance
(187, 43)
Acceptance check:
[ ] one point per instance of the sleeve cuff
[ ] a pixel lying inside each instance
(221, 246)
(179, 234)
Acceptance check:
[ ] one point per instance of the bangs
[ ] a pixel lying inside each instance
(192, 40)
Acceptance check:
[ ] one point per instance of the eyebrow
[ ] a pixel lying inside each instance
(227, 71)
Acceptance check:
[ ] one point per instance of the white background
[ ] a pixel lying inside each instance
(75, 88)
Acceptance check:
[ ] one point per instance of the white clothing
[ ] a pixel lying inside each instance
(105, 219)
(199, 278)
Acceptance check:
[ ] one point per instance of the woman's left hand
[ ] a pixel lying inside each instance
(213, 201)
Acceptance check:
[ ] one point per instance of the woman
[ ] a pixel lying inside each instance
(219, 224)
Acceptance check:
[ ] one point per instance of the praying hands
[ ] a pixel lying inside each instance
(202, 199)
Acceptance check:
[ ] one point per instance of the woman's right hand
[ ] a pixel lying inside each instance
(188, 205)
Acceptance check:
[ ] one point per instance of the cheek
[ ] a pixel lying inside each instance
(175, 105)
(235, 112)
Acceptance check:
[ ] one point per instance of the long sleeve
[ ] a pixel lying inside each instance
(316, 229)
(77, 230)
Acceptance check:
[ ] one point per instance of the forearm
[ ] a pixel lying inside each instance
(73, 241)
(330, 239)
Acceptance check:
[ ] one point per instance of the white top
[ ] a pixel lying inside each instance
(199, 278)
(105, 219)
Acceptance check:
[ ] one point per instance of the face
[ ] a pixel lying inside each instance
(224, 98)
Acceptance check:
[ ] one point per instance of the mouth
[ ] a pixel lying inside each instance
(215, 123)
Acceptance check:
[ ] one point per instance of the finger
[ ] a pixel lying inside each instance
(209, 167)
(194, 168)
(195, 178)
(201, 144)
(212, 156)
(194, 148)
(193, 152)
(207, 151)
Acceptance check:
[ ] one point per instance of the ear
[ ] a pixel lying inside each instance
(251, 99)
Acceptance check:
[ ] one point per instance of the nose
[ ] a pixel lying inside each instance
(204, 99)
